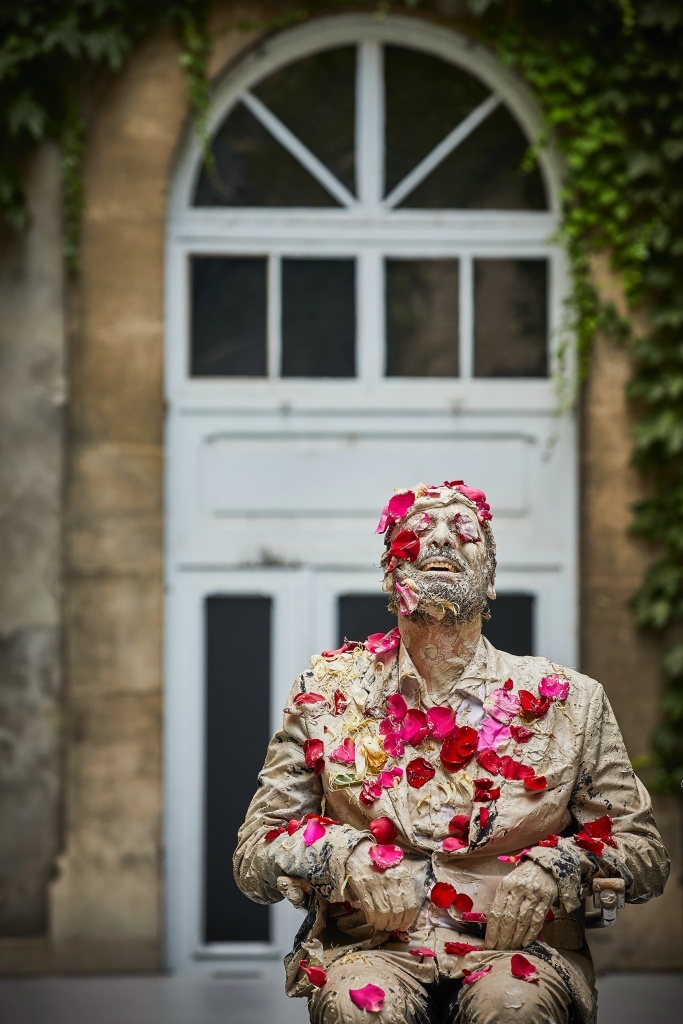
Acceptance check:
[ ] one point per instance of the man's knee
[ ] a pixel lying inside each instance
(332, 1004)
(500, 998)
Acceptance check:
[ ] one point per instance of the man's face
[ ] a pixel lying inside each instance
(451, 574)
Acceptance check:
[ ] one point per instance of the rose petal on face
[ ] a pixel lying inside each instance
(523, 968)
(453, 843)
(405, 546)
(274, 833)
(313, 832)
(489, 761)
(441, 722)
(422, 951)
(521, 734)
(387, 776)
(345, 753)
(474, 917)
(536, 784)
(419, 771)
(459, 948)
(469, 977)
(442, 894)
(466, 529)
(385, 856)
(340, 702)
(550, 840)
(397, 707)
(316, 975)
(396, 508)
(407, 599)
(383, 830)
(554, 687)
(370, 997)
(383, 643)
(415, 728)
(492, 733)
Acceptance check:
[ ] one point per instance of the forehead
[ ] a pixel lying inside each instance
(441, 510)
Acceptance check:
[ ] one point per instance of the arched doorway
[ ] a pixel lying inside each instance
(362, 292)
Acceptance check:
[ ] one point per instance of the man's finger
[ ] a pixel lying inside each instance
(535, 925)
(515, 910)
(520, 923)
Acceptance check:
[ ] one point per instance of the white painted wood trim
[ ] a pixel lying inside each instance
(440, 152)
(370, 123)
(298, 150)
(466, 303)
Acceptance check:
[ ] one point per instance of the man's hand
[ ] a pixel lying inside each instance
(519, 907)
(389, 899)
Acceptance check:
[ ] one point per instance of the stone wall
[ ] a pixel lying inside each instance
(31, 399)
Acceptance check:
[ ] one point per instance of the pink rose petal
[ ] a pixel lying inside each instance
(422, 951)
(397, 707)
(469, 977)
(395, 509)
(383, 643)
(387, 776)
(371, 791)
(345, 753)
(492, 733)
(415, 728)
(407, 600)
(313, 832)
(554, 687)
(385, 855)
(308, 698)
(441, 722)
(513, 858)
(453, 843)
(370, 997)
(393, 744)
(474, 917)
(502, 705)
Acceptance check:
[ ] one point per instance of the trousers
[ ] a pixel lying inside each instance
(418, 993)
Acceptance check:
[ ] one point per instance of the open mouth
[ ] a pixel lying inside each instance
(439, 565)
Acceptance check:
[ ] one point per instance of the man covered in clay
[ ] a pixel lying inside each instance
(440, 807)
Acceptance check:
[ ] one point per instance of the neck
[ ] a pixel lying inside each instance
(440, 653)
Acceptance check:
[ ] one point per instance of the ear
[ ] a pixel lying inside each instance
(491, 592)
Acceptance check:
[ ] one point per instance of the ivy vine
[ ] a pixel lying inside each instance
(608, 75)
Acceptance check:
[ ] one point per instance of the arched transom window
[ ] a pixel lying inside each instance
(372, 210)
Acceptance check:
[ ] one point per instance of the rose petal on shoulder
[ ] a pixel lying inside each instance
(523, 968)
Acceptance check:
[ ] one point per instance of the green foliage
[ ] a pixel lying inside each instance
(608, 75)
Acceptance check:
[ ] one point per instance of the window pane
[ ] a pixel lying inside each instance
(484, 172)
(510, 318)
(422, 318)
(237, 733)
(425, 99)
(511, 626)
(363, 614)
(315, 98)
(253, 169)
(228, 317)
(318, 318)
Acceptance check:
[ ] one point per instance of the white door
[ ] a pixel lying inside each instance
(361, 294)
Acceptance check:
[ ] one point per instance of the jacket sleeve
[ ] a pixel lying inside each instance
(288, 790)
(607, 785)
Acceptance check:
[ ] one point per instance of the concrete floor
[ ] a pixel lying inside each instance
(624, 999)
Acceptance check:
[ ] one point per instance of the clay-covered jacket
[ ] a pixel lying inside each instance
(532, 760)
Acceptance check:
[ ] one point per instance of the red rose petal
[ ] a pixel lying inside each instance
(340, 702)
(489, 760)
(422, 951)
(313, 752)
(405, 545)
(316, 975)
(534, 706)
(441, 722)
(550, 840)
(474, 917)
(523, 968)
(274, 833)
(536, 784)
(521, 734)
(459, 948)
(383, 830)
(419, 771)
(589, 843)
(484, 817)
(459, 825)
(308, 698)
(463, 902)
(442, 895)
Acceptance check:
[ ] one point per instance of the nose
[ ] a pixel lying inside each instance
(441, 535)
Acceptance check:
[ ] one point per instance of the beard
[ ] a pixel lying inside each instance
(452, 598)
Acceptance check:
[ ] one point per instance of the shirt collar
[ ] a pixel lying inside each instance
(482, 669)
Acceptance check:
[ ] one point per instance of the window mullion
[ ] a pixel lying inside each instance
(274, 315)
(370, 316)
(466, 305)
(370, 124)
